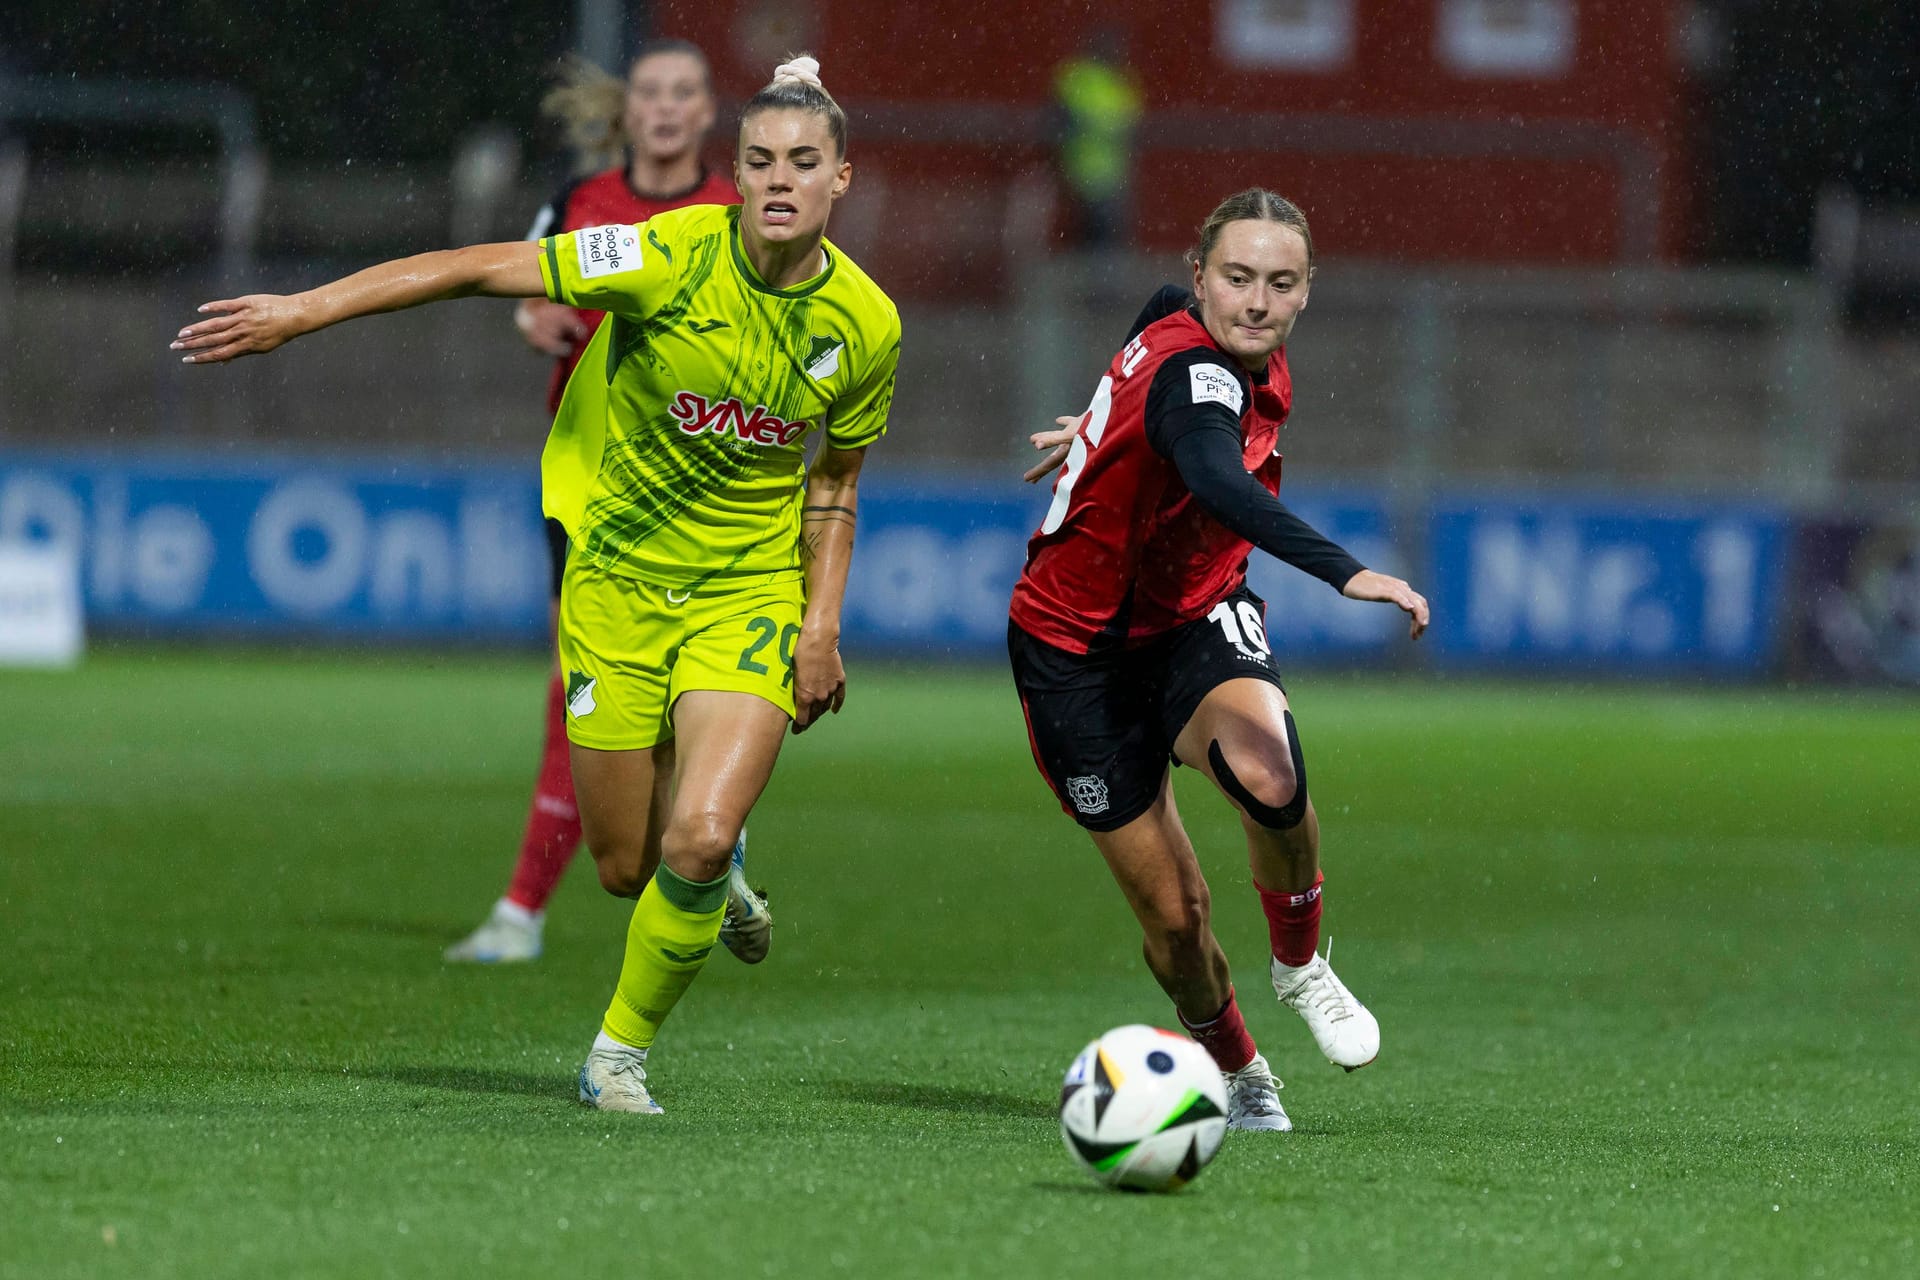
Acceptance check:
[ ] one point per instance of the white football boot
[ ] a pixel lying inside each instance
(1253, 1098)
(1341, 1025)
(615, 1079)
(509, 935)
(747, 928)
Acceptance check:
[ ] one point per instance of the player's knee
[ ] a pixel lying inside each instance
(699, 846)
(620, 877)
(1268, 782)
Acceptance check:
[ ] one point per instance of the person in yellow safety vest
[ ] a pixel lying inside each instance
(1097, 106)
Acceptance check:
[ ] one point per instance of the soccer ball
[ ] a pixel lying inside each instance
(1143, 1109)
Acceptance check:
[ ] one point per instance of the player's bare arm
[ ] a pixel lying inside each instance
(257, 323)
(1386, 589)
(827, 517)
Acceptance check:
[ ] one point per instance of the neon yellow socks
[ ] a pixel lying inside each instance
(675, 925)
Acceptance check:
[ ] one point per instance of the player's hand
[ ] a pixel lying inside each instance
(235, 327)
(819, 682)
(1368, 585)
(1055, 444)
(549, 327)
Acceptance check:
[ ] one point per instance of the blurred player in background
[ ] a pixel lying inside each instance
(700, 610)
(649, 134)
(1095, 113)
(1135, 639)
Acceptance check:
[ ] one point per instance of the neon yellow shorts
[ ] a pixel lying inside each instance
(630, 649)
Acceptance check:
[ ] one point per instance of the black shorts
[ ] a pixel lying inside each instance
(556, 554)
(1102, 725)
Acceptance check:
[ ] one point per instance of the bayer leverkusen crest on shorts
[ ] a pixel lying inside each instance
(1089, 794)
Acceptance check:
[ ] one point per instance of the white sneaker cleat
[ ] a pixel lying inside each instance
(747, 928)
(616, 1080)
(510, 934)
(1341, 1025)
(1253, 1098)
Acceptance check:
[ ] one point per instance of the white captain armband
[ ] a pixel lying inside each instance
(607, 251)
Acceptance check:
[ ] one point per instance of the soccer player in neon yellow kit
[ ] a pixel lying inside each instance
(700, 611)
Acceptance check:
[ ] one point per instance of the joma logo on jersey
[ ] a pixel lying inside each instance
(696, 414)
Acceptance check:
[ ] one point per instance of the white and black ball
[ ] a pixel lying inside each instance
(1143, 1109)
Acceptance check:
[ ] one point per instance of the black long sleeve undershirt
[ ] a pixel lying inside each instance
(1204, 443)
(1208, 459)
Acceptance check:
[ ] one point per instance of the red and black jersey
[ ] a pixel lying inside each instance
(1127, 550)
(601, 200)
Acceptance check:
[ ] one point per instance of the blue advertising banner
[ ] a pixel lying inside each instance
(937, 560)
(371, 549)
(177, 544)
(1597, 586)
(935, 563)
(1307, 619)
(367, 549)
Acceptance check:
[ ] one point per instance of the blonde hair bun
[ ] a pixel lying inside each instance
(804, 69)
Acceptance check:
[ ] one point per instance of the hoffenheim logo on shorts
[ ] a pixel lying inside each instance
(1089, 794)
(580, 693)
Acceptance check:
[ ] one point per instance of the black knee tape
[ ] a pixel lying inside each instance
(1287, 816)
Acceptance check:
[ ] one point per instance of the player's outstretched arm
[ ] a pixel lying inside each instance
(257, 323)
(827, 516)
(1368, 585)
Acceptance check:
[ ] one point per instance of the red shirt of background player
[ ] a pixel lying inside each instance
(1133, 554)
(601, 200)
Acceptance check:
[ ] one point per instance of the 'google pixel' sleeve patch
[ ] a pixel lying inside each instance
(607, 251)
(1211, 382)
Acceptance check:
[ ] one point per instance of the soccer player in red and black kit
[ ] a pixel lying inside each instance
(1135, 640)
(658, 120)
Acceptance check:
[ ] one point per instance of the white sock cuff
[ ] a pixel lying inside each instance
(605, 1041)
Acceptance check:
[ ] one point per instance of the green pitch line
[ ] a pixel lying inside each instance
(1643, 960)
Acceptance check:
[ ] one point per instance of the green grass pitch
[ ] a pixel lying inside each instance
(1644, 962)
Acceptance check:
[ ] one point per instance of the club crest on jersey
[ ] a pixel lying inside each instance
(607, 251)
(1089, 794)
(696, 415)
(823, 357)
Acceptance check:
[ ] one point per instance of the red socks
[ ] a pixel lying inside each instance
(1224, 1037)
(1293, 922)
(1293, 925)
(553, 823)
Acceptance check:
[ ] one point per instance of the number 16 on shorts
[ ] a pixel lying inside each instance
(1239, 620)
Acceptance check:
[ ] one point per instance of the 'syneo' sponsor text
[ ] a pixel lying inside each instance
(756, 426)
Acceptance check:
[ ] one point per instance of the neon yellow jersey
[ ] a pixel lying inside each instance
(677, 456)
